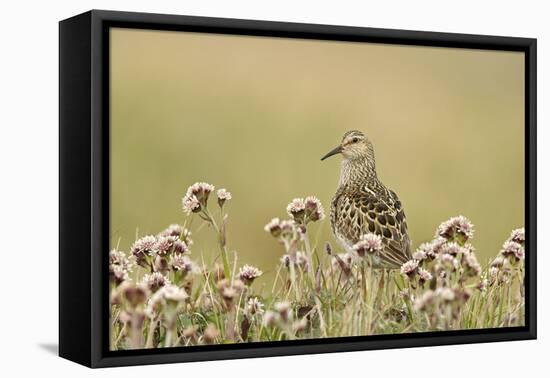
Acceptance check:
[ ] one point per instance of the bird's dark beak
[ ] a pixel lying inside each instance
(337, 150)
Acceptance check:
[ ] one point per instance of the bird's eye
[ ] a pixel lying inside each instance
(355, 140)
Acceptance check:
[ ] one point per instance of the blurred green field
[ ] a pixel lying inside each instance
(254, 115)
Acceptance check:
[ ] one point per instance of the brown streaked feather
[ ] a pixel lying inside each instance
(359, 209)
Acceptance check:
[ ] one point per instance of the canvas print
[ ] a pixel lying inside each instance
(266, 189)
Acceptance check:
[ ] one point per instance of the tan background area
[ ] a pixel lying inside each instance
(254, 115)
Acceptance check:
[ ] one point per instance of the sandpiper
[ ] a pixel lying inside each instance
(362, 204)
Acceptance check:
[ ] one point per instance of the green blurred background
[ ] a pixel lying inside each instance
(254, 115)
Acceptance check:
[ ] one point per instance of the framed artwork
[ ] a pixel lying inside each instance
(234, 188)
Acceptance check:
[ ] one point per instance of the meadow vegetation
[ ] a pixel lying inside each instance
(162, 295)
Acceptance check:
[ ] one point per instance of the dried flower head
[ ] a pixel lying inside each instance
(249, 273)
(426, 300)
(446, 262)
(409, 268)
(452, 249)
(135, 295)
(471, 265)
(210, 334)
(174, 294)
(181, 263)
(270, 319)
(424, 275)
(143, 248)
(299, 325)
(191, 204)
(180, 247)
(274, 227)
(154, 281)
(119, 266)
(512, 251)
(299, 259)
(518, 236)
(314, 209)
(445, 294)
(117, 274)
(457, 226)
(368, 243)
(164, 245)
(498, 262)
(172, 230)
(223, 196)
(343, 261)
(419, 255)
(306, 210)
(254, 306)
(296, 209)
(284, 310)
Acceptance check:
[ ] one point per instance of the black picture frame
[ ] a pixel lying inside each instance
(84, 186)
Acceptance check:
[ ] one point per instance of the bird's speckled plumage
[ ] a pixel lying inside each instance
(362, 203)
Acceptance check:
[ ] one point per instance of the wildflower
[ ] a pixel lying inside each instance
(227, 292)
(424, 275)
(368, 243)
(164, 245)
(427, 299)
(287, 227)
(254, 306)
(296, 209)
(270, 319)
(471, 265)
(143, 248)
(172, 230)
(446, 262)
(498, 262)
(300, 260)
(117, 274)
(513, 251)
(249, 273)
(409, 268)
(284, 310)
(174, 294)
(210, 334)
(134, 294)
(344, 261)
(419, 255)
(119, 266)
(299, 325)
(518, 236)
(160, 264)
(274, 227)
(452, 249)
(191, 204)
(180, 247)
(223, 196)
(436, 246)
(456, 226)
(181, 263)
(314, 209)
(154, 281)
(446, 294)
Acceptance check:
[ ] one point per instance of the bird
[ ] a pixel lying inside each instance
(362, 204)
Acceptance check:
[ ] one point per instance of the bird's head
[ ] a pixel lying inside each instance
(354, 146)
